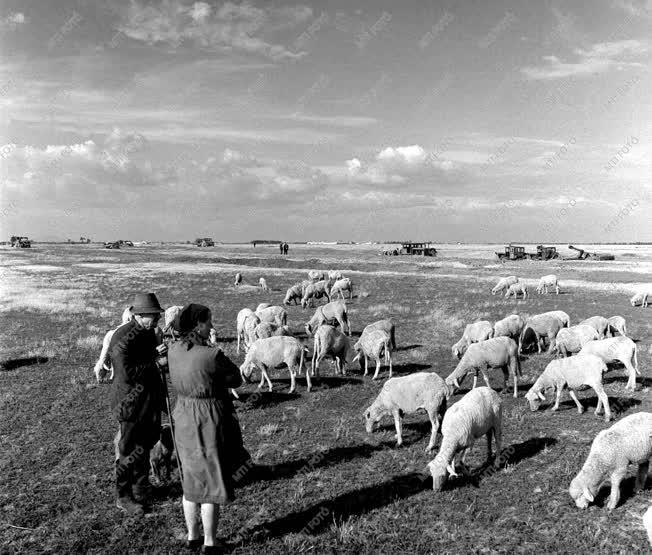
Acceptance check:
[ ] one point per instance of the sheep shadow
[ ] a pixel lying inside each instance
(263, 399)
(226, 339)
(408, 347)
(14, 363)
(408, 368)
(333, 382)
(618, 405)
(626, 491)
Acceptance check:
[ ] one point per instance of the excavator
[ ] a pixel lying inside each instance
(584, 255)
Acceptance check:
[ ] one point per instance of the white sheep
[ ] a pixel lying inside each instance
(406, 395)
(262, 306)
(504, 283)
(571, 340)
(647, 523)
(599, 323)
(331, 342)
(497, 352)
(332, 313)
(628, 441)
(510, 326)
(171, 320)
(263, 285)
(548, 281)
(616, 349)
(617, 324)
(473, 333)
(316, 290)
(386, 324)
(315, 275)
(293, 293)
(544, 326)
(274, 352)
(238, 279)
(275, 314)
(335, 275)
(639, 298)
(571, 373)
(270, 329)
(249, 330)
(341, 285)
(374, 344)
(561, 315)
(515, 289)
(102, 368)
(478, 413)
(240, 326)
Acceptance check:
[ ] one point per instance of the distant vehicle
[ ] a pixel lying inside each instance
(583, 255)
(112, 245)
(204, 242)
(515, 252)
(20, 242)
(126, 243)
(419, 249)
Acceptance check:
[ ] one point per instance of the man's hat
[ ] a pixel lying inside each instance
(146, 303)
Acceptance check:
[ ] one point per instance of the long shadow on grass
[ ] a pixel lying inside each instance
(14, 363)
(408, 347)
(618, 405)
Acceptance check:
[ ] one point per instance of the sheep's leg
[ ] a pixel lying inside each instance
(641, 476)
(389, 356)
(505, 378)
(498, 438)
(484, 377)
(616, 477)
(397, 425)
(556, 406)
(262, 379)
(269, 382)
(366, 365)
(631, 371)
(377, 369)
(602, 396)
(293, 379)
(434, 421)
(553, 342)
(475, 379)
(489, 435)
(308, 380)
(580, 408)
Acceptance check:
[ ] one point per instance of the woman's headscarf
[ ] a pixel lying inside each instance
(190, 316)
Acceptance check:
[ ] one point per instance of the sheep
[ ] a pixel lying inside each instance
(571, 340)
(335, 275)
(275, 314)
(548, 281)
(262, 306)
(497, 352)
(316, 290)
(406, 395)
(617, 324)
(315, 275)
(647, 522)
(561, 315)
(571, 373)
(269, 329)
(329, 341)
(616, 349)
(543, 326)
(263, 285)
(628, 441)
(478, 331)
(240, 325)
(341, 285)
(476, 414)
(599, 323)
(171, 319)
(238, 280)
(294, 293)
(504, 283)
(639, 298)
(249, 330)
(102, 366)
(386, 325)
(516, 288)
(510, 326)
(335, 311)
(374, 345)
(273, 352)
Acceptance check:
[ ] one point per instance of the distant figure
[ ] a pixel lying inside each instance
(280, 247)
(238, 279)
(263, 284)
(254, 244)
(285, 248)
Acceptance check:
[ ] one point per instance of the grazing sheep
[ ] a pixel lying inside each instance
(548, 281)
(335, 275)
(406, 395)
(270, 329)
(375, 345)
(332, 313)
(599, 323)
(571, 340)
(503, 284)
(240, 325)
(544, 326)
(294, 293)
(262, 306)
(263, 285)
(510, 326)
(516, 288)
(478, 331)
(341, 285)
(316, 290)
(250, 324)
(561, 315)
(102, 367)
(628, 441)
(386, 325)
(315, 275)
(274, 352)
(571, 373)
(478, 413)
(275, 314)
(331, 342)
(639, 298)
(497, 352)
(616, 349)
(617, 324)
(238, 279)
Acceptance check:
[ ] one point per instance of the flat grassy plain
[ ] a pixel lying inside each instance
(325, 485)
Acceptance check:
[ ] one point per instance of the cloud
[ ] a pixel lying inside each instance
(13, 21)
(229, 27)
(599, 58)
(637, 8)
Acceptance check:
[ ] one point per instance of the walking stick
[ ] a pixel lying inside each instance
(171, 420)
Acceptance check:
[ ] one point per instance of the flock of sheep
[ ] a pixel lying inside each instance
(583, 351)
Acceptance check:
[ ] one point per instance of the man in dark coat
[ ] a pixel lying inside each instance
(137, 399)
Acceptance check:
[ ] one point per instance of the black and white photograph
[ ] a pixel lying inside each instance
(325, 276)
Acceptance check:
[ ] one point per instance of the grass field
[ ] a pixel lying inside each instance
(326, 486)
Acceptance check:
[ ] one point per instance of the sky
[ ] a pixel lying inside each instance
(363, 120)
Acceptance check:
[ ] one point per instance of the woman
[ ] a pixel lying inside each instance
(208, 434)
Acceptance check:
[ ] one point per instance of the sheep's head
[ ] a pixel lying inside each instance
(371, 417)
(456, 378)
(580, 492)
(439, 474)
(308, 327)
(534, 398)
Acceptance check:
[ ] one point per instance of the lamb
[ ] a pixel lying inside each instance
(386, 325)
(544, 326)
(571, 340)
(572, 373)
(498, 352)
(548, 281)
(599, 323)
(294, 293)
(503, 284)
(516, 288)
(273, 352)
(478, 413)
(561, 315)
(639, 298)
(269, 329)
(335, 275)
(616, 349)
(263, 285)
(102, 367)
(628, 441)
(331, 342)
(510, 326)
(249, 330)
(240, 325)
(617, 324)
(316, 290)
(335, 311)
(315, 275)
(478, 331)
(238, 279)
(406, 395)
(341, 285)
(171, 319)
(374, 345)
(275, 314)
